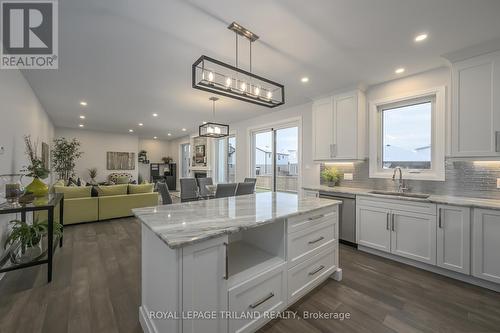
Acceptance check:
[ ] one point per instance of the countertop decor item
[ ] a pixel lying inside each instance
(36, 169)
(64, 156)
(219, 78)
(93, 175)
(212, 129)
(331, 175)
(11, 187)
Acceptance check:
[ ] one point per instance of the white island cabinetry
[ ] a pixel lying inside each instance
(207, 279)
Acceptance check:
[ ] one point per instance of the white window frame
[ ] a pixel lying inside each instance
(224, 157)
(438, 134)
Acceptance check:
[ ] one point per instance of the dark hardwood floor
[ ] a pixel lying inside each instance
(96, 288)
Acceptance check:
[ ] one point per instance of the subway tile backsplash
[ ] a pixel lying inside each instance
(463, 178)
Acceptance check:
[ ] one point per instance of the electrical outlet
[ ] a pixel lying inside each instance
(498, 182)
(348, 176)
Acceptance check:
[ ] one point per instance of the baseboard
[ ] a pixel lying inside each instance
(341, 241)
(434, 269)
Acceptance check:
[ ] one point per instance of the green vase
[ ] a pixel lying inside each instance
(38, 188)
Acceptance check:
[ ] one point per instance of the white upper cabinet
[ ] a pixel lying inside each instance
(476, 106)
(339, 126)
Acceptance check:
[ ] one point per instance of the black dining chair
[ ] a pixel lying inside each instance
(166, 199)
(189, 189)
(202, 184)
(225, 190)
(245, 188)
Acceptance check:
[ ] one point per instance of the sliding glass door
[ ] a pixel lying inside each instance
(275, 158)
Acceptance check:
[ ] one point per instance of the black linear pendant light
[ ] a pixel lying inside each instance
(217, 77)
(213, 129)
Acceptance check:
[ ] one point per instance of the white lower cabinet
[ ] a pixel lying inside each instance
(486, 245)
(453, 238)
(414, 236)
(266, 292)
(373, 227)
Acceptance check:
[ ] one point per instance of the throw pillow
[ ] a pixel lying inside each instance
(143, 188)
(71, 192)
(112, 190)
(122, 180)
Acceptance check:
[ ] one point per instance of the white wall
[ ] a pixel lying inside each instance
(20, 114)
(95, 145)
(309, 169)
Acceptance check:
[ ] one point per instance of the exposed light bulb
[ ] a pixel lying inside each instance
(269, 95)
(399, 70)
(140, 124)
(82, 117)
(80, 125)
(210, 130)
(217, 130)
(169, 134)
(131, 130)
(257, 91)
(421, 38)
(155, 137)
(243, 86)
(210, 76)
(83, 103)
(228, 82)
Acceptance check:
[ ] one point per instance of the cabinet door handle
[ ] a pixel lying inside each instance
(387, 222)
(316, 217)
(334, 146)
(226, 270)
(316, 270)
(393, 224)
(439, 219)
(316, 240)
(497, 141)
(259, 302)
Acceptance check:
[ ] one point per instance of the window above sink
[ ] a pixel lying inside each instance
(408, 131)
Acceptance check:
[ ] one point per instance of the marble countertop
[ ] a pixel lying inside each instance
(190, 222)
(434, 198)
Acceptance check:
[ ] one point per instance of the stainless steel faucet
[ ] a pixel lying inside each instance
(401, 182)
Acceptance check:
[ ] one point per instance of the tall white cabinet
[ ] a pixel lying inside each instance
(476, 106)
(339, 127)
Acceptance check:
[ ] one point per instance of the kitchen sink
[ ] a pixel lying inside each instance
(403, 194)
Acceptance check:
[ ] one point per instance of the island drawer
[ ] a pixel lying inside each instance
(305, 243)
(305, 221)
(307, 275)
(265, 292)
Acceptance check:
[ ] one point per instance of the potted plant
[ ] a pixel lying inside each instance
(167, 159)
(93, 175)
(26, 239)
(35, 169)
(331, 176)
(64, 156)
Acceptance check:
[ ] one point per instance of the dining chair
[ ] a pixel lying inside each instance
(250, 180)
(189, 189)
(166, 199)
(245, 188)
(225, 190)
(202, 184)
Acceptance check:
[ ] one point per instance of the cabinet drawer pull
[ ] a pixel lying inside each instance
(387, 221)
(317, 270)
(393, 224)
(316, 240)
(256, 304)
(316, 217)
(439, 219)
(226, 270)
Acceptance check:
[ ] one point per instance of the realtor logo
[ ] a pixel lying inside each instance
(29, 34)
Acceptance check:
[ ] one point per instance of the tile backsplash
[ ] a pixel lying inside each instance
(463, 178)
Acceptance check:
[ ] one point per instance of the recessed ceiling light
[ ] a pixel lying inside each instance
(204, 122)
(155, 137)
(155, 114)
(82, 117)
(83, 103)
(184, 130)
(304, 79)
(399, 70)
(80, 125)
(140, 124)
(169, 134)
(131, 130)
(420, 37)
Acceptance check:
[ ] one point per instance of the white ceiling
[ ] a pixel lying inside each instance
(130, 58)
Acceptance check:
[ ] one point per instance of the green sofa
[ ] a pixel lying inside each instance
(112, 202)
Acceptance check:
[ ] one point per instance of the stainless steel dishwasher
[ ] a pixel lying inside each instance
(347, 216)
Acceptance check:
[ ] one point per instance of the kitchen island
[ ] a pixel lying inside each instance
(231, 264)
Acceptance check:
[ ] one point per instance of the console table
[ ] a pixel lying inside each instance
(47, 204)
